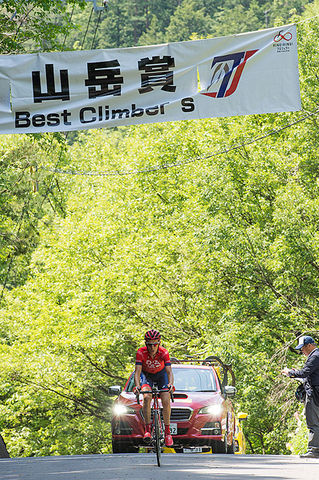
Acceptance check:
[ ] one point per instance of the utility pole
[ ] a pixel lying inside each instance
(266, 17)
(96, 7)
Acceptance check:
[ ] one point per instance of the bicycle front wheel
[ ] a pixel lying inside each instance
(157, 432)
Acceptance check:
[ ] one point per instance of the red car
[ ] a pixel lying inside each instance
(202, 414)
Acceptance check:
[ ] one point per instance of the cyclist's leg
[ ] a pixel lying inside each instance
(166, 402)
(146, 384)
(162, 381)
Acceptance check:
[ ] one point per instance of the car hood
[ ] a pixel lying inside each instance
(181, 399)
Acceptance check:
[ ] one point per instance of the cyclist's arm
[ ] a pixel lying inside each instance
(170, 374)
(137, 375)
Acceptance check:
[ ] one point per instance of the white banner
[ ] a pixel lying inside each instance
(242, 74)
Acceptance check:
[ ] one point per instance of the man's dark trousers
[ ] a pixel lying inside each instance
(312, 419)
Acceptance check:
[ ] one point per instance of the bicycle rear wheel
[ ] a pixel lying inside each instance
(157, 435)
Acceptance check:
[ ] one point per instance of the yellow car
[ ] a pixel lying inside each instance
(240, 441)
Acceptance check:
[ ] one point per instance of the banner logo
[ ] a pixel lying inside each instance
(287, 37)
(226, 73)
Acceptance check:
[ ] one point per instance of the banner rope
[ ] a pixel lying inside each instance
(251, 141)
(307, 19)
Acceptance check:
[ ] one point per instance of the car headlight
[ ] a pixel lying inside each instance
(211, 410)
(120, 409)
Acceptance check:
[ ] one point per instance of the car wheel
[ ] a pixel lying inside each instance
(178, 449)
(220, 446)
(231, 448)
(122, 447)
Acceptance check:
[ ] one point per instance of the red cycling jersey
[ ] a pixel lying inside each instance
(152, 365)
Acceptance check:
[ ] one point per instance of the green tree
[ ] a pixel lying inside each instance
(29, 197)
(34, 25)
(237, 18)
(187, 21)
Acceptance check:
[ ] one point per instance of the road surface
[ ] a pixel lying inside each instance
(175, 467)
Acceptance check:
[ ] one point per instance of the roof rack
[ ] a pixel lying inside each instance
(223, 369)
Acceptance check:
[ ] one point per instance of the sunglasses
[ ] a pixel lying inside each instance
(151, 344)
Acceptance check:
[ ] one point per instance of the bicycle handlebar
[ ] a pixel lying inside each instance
(154, 391)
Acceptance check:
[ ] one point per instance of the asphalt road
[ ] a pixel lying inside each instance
(175, 467)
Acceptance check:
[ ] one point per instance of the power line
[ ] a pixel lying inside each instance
(87, 27)
(182, 162)
(307, 19)
(96, 28)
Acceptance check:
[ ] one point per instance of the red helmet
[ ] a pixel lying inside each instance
(152, 335)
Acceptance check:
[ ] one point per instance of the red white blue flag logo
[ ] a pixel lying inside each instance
(226, 73)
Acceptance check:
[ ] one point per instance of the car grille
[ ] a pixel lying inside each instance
(180, 414)
(177, 414)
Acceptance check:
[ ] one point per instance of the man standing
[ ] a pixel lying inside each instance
(153, 365)
(310, 374)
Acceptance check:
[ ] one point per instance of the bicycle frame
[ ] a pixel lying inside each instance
(157, 428)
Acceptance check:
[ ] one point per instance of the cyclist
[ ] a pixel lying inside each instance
(153, 365)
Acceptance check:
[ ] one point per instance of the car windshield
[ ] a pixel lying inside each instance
(188, 380)
(194, 380)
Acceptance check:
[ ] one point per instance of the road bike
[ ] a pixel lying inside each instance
(157, 425)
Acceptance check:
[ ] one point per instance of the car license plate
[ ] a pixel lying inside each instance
(193, 450)
(173, 428)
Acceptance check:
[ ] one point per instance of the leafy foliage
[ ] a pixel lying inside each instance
(33, 24)
(28, 200)
(145, 22)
